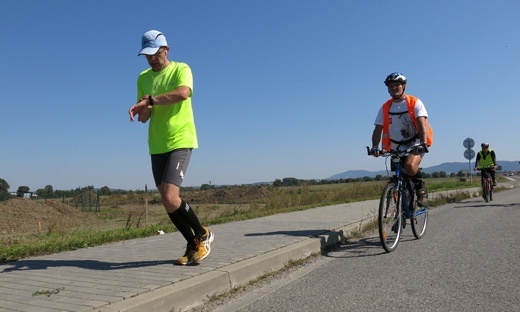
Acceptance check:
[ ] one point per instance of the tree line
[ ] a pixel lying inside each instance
(379, 177)
(49, 192)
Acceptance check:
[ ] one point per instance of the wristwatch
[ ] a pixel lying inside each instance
(150, 101)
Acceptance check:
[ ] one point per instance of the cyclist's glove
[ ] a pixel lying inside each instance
(422, 148)
(374, 151)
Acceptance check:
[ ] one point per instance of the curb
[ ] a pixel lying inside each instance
(192, 292)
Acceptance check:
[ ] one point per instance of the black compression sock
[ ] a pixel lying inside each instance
(188, 215)
(182, 226)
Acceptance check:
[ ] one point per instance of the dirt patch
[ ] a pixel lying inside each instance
(22, 216)
(233, 195)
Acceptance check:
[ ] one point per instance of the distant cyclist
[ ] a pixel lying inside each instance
(486, 158)
(400, 124)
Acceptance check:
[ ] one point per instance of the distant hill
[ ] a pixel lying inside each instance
(446, 167)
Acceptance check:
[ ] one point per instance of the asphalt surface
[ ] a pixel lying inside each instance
(467, 262)
(141, 275)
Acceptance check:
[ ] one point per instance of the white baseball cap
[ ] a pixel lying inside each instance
(151, 42)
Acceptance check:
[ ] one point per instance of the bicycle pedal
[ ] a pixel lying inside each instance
(394, 228)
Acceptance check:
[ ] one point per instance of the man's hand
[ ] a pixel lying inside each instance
(375, 151)
(140, 109)
(145, 114)
(134, 110)
(424, 147)
(420, 148)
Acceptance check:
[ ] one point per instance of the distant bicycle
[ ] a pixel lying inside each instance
(487, 183)
(398, 203)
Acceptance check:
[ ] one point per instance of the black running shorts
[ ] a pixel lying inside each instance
(170, 167)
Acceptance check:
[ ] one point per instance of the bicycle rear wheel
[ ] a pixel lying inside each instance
(419, 220)
(389, 220)
(485, 190)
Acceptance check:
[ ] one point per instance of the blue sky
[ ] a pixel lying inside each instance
(281, 88)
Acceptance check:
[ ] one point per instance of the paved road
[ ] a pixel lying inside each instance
(140, 275)
(468, 261)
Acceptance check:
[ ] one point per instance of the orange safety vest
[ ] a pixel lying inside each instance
(410, 101)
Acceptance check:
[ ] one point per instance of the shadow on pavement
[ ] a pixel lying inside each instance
(365, 247)
(487, 205)
(305, 233)
(22, 265)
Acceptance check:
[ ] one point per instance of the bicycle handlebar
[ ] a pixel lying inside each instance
(397, 153)
(414, 149)
(490, 167)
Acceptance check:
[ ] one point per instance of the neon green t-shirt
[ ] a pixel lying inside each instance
(171, 126)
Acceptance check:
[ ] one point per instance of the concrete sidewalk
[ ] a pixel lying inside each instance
(139, 275)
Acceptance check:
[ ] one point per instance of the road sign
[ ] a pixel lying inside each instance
(469, 154)
(469, 143)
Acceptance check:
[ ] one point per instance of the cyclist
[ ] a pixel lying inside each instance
(402, 123)
(486, 158)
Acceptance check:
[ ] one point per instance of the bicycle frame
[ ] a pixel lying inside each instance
(398, 203)
(486, 183)
(486, 175)
(403, 182)
(404, 185)
(489, 183)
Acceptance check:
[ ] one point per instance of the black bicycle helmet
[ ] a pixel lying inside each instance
(395, 77)
(485, 144)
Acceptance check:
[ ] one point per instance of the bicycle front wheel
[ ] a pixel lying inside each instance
(389, 220)
(419, 220)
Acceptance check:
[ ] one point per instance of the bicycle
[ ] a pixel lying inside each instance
(398, 203)
(487, 183)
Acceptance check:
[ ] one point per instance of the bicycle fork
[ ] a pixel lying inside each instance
(395, 198)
